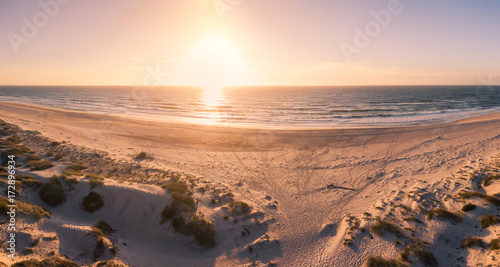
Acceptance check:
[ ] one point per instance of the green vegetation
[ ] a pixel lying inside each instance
(29, 158)
(26, 208)
(179, 204)
(38, 165)
(74, 169)
(412, 219)
(109, 263)
(239, 208)
(182, 212)
(444, 214)
(53, 261)
(348, 242)
(201, 229)
(488, 220)
(70, 181)
(488, 180)
(472, 242)
(104, 227)
(95, 180)
(495, 244)
(379, 261)
(28, 180)
(92, 202)
(178, 187)
(418, 251)
(52, 192)
(14, 149)
(490, 199)
(468, 207)
(142, 156)
(55, 143)
(4, 132)
(382, 226)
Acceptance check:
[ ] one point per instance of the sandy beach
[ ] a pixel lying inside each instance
(310, 185)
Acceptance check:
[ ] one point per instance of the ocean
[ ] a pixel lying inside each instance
(278, 106)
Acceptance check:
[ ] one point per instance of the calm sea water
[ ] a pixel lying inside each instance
(272, 106)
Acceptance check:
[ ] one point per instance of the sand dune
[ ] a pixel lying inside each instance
(283, 173)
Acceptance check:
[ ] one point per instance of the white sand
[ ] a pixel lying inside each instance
(293, 167)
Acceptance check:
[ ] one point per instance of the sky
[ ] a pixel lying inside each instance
(215, 43)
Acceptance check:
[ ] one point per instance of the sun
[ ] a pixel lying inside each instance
(213, 63)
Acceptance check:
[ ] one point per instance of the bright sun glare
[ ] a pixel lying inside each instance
(213, 64)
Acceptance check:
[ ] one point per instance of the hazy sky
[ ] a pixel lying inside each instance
(291, 42)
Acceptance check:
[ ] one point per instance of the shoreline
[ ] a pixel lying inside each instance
(319, 126)
(492, 114)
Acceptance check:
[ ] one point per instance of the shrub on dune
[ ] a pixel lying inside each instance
(495, 244)
(27, 208)
(379, 261)
(470, 242)
(52, 193)
(28, 180)
(488, 220)
(92, 202)
(382, 226)
(444, 214)
(29, 158)
(104, 227)
(94, 180)
(239, 208)
(53, 261)
(468, 207)
(175, 187)
(201, 229)
(39, 165)
(490, 199)
(74, 169)
(488, 180)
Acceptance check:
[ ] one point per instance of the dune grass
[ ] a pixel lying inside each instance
(53, 261)
(52, 192)
(28, 180)
(29, 158)
(488, 220)
(418, 251)
(179, 204)
(182, 212)
(27, 208)
(444, 214)
(104, 227)
(178, 187)
(70, 181)
(470, 242)
(92, 202)
(38, 165)
(380, 227)
(94, 180)
(201, 229)
(379, 261)
(488, 180)
(495, 244)
(468, 207)
(239, 208)
(412, 219)
(74, 169)
(490, 199)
